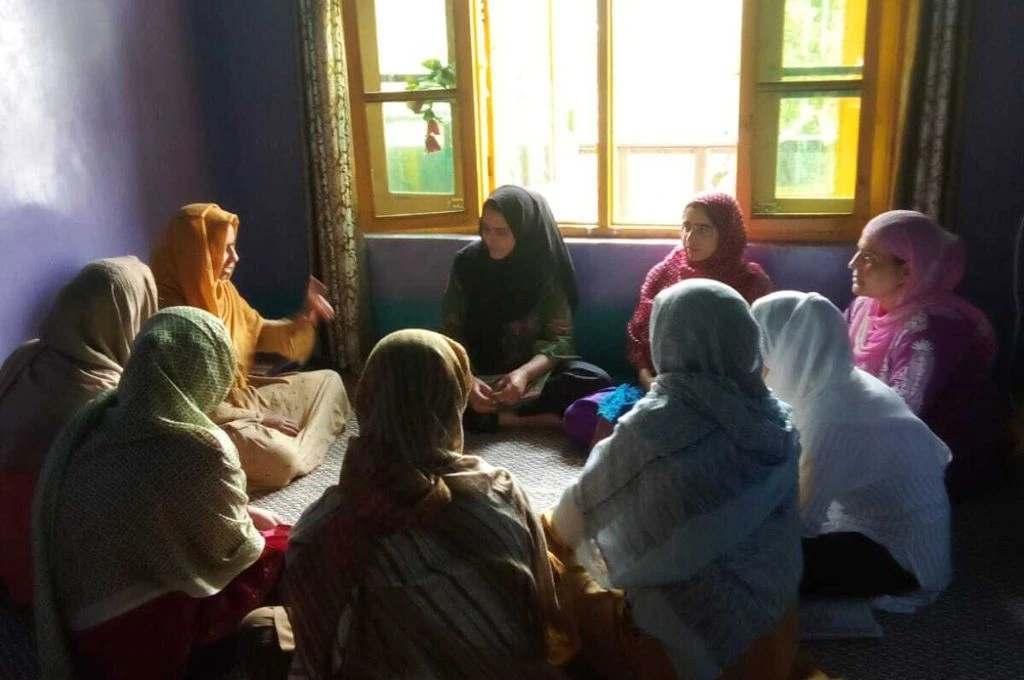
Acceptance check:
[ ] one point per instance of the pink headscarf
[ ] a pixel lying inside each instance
(936, 259)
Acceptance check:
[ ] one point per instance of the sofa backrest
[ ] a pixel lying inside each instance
(407, 277)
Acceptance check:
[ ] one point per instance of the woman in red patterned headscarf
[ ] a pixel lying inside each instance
(714, 238)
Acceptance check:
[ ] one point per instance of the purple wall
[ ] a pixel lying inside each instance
(247, 68)
(114, 113)
(100, 132)
(991, 197)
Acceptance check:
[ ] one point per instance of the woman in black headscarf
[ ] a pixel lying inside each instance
(509, 301)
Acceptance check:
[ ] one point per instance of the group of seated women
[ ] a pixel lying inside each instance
(764, 462)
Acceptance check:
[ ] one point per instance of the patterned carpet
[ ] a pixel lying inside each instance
(976, 630)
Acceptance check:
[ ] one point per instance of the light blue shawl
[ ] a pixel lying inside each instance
(690, 506)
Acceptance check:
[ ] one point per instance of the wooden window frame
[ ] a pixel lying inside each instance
(360, 30)
(879, 90)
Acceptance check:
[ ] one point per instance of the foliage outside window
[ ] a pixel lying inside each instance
(620, 110)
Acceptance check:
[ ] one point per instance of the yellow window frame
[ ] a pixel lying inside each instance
(379, 209)
(879, 89)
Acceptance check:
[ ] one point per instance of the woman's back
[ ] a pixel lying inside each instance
(421, 562)
(690, 505)
(874, 468)
(83, 344)
(869, 468)
(455, 600)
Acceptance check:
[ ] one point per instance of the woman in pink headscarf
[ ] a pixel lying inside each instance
(931, 346)
(714, 238)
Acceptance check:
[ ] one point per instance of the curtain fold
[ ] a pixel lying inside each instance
(337, 241)
(930, 107)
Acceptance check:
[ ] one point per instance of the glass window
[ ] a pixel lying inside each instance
(676, 74)
(543, 60)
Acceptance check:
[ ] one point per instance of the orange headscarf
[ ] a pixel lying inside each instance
(186, 263)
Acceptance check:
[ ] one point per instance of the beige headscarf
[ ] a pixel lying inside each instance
(406, 472)
(410, 425)
(142, 494)
(85, 341)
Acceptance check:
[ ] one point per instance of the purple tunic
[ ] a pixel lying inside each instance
(941, 365)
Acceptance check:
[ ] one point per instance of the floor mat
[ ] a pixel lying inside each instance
(976, 629)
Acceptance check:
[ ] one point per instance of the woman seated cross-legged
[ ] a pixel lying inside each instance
(713, 242)
(145, 547)
(83, 345)
(690, 508)
(914, 333)
(421, 562)
(510, 300)
(873, 507)
(282, 425)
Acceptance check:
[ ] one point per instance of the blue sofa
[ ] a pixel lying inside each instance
(407, 277)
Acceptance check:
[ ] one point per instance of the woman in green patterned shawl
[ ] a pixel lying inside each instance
(144, 543)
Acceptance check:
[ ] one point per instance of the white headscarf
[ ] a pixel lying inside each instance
(690, 505)
(868, 464)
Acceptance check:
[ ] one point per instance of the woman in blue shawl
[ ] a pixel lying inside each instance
(690, 506)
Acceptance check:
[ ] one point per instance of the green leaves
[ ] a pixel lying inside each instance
(438, 77)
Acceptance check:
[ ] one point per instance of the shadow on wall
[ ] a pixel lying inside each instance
(24, 269)
(247, 77)
(100, 142)
(161, 117)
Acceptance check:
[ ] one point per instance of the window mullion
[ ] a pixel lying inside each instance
(485, 103)
(605, 141)
(411, 96)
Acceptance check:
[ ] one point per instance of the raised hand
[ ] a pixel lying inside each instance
(316, 306)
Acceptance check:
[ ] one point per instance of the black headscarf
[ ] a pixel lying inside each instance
(501, 291)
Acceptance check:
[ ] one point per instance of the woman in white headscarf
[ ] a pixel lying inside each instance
(690, 506)
(873, 507)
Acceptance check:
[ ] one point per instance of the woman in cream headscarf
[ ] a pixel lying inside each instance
(144, 545)
(84, 343)
(690, 506)
(283, 425)
(422, 562)
(873, 508)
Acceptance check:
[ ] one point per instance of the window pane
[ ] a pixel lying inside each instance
(823, 39)
(676, 111)
(408, 35)
(817, 147)
(654, 185)
(544, 101)
(419, 161)
(415, 166)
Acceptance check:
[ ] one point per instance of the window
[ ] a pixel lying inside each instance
(619, 110)
(413, 115)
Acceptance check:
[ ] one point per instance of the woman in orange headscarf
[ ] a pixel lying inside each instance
(282, 426)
